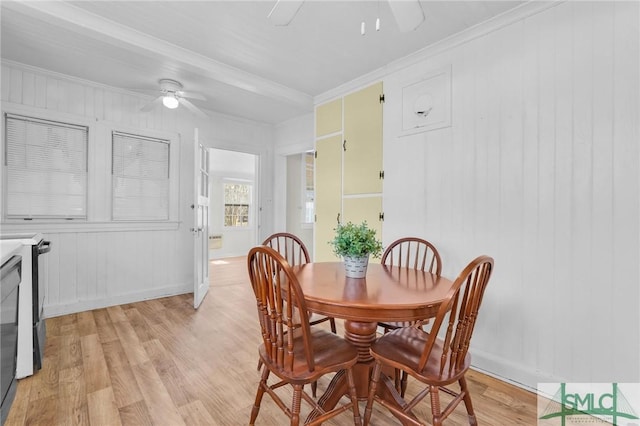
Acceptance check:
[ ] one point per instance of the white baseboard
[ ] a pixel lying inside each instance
(510, 372)
(88, 305)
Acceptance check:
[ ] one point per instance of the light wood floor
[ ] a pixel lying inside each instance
(161, 362)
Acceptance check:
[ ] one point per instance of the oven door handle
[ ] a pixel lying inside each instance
(45, 247)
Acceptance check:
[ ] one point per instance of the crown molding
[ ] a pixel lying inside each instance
(88, 24)
(509, 17)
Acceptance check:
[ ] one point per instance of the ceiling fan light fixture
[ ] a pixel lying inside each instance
(170, 101)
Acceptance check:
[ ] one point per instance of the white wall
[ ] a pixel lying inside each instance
(99, 263)
(540, 169)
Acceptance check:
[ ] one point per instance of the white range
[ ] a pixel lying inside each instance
(31, 324)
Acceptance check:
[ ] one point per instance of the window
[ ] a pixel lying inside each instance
(237, 204)
(140, 178)
(46, 166)
(308, 196)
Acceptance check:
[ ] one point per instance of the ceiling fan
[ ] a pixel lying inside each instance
(407, 13)
(172, 95)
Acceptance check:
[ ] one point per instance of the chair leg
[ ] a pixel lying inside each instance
(354, 398)
(375, 376)
(295, 405)
(467, 401)
(259, 395)
(314, 388)
(435, 405)
(259, 364)
(332, 322)
(403, 383)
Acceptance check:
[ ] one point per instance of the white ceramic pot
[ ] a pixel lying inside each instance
(355, 267)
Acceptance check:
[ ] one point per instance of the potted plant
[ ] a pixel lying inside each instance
(355, 243)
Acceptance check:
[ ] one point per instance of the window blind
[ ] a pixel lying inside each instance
(140, 178)
(46, 165)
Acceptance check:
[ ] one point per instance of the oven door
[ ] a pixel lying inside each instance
(10, 277)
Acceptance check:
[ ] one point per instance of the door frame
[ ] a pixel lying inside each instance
(257, 211)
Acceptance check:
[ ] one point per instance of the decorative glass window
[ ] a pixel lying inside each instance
(46, 169)
(308, 196)
(237, 204)
(140, 178)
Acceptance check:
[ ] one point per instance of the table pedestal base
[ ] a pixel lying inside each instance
(361, 335)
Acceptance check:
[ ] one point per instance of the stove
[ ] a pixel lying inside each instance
(31, 324)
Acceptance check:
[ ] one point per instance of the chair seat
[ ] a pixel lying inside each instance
(402, 348)
(330, 353)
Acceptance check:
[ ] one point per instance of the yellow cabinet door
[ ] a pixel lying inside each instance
(359, 209)
(329, 118)
(363, 146)
(328, 184)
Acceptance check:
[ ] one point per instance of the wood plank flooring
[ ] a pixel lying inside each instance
(160, 362)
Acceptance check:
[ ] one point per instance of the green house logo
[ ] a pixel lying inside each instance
(582, 403)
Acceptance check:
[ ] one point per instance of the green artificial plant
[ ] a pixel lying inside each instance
(356, 241)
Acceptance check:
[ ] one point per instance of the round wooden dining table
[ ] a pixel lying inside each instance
(385, 294)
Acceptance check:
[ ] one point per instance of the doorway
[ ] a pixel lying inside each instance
(233, 212)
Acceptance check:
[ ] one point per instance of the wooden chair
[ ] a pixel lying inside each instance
(291, 349)
(410, 253)
(436, 362)
(293, 249)
(295, 252)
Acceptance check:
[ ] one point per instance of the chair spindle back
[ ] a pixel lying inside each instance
(277, 292)
(461, 307)
(290, 247)
(413, 253)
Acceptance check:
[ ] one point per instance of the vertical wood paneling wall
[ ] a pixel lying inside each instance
(540, 169)
(92, 269)
(100, 263)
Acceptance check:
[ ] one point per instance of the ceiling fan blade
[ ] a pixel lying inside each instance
(408, 14)
(284, 11)
(151, 105)
(191, 107)
(192, 95)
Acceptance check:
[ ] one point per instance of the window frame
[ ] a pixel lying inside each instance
(251, 185)
(139, 137)
(49, 174)
(99, 192)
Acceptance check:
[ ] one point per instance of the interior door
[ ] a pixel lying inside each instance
(200, 230)
(363, 146)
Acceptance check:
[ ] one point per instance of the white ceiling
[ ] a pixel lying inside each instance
(226, 50)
